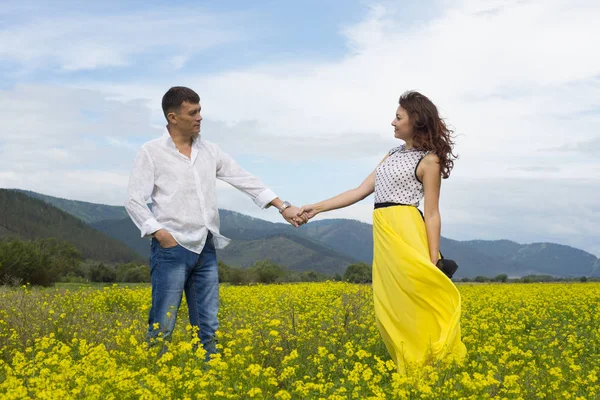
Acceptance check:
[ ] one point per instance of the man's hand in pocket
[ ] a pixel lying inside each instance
(165, 239)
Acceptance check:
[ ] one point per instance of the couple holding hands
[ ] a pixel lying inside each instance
(417, 307)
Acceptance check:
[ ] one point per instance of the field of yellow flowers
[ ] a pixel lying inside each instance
(296, 341)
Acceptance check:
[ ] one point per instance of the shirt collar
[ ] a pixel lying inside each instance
(168, 141)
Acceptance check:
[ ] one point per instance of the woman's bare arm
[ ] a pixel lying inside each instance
(343, 199)
(430, 175)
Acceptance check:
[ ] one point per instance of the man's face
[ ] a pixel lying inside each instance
(188, 118)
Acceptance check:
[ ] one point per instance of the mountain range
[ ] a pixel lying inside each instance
(30, 218)
(326, 246)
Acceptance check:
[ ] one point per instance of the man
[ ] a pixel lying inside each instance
(177, 173)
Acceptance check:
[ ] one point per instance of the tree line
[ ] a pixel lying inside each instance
(503, 278)
(47, 261)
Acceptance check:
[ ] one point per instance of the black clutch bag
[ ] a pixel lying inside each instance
(448, 267)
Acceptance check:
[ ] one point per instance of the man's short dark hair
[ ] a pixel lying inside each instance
(175, 97)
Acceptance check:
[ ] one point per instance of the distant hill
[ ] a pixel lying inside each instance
(344, 240)
(253, 240)
(475, 261)
(234, 225)
(126, 232)
(292, 251)
(243, 227)
(87, 212)
(346, 236)
(540, 258)
(29, 218)
(477, 257)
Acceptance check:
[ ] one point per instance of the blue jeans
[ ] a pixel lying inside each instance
(175, 270)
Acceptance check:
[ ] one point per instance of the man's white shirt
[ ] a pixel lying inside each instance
(183, 190)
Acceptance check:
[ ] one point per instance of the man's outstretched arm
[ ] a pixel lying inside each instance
(228, 170)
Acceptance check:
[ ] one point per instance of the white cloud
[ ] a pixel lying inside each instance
(505, 79)
(59, 141)
(246, 138)
(179, 61)
(95, 186)
(72, 41)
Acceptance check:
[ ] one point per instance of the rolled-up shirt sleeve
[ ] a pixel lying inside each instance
(228, 170)
(141, 185)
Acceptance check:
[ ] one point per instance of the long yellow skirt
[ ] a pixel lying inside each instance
(416, 306)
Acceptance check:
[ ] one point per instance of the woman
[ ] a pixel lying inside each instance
(416, 306)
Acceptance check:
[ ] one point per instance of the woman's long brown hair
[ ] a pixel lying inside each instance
(431, 132)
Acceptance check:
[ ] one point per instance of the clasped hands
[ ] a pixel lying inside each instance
(299, 216)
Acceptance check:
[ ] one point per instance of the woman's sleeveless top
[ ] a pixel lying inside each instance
(396, 178)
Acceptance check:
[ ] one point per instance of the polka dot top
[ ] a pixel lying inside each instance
(396, 178)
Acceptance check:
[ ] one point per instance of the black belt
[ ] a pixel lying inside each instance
(390, 204)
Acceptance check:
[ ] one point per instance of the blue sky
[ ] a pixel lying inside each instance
(302, 95)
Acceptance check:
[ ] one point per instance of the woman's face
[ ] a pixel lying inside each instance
(403, 127)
